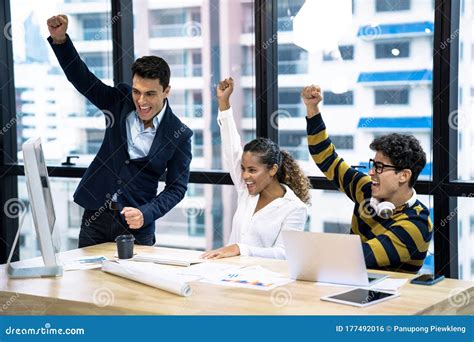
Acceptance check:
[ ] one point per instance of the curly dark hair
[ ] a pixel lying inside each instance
(152, 67)
(404, 151)
(289, 172)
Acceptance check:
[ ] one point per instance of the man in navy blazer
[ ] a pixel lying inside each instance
(143, 139)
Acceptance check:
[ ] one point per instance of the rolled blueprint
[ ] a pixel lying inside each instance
(160, 279)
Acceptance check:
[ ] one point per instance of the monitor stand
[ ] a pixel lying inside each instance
(29, 272)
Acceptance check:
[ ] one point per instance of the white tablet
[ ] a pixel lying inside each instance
(360, 297)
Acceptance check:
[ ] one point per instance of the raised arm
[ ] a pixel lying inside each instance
(76, 71)
(355, 184)
(231, 144)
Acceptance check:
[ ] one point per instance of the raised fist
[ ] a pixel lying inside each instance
(225, 88)
(57, 27)
(311, 95)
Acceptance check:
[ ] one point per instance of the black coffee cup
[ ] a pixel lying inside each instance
(125, 246)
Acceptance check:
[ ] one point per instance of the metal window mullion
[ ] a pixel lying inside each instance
(8, 138)
(123, 55)
(266, 68)
(444, 102)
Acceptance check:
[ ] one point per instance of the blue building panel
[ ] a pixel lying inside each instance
(419, 122)
(425, 27)
(423, 75)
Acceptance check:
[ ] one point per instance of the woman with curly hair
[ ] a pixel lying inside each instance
(273, 191)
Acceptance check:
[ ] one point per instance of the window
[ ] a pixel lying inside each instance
(343, 142)
(184, 35)
(248, 23)
(350, 110)
(336, 227)
(185, 226)
(195, 190)
(97, 63)
(392, 50)
(75, 214)
(247, 62)
(94, 26)
(290, 104)
(175, 22)
(248, 135)
(463, 218)
(292, 60)
(196, 63)
(186, 103)
(41, 86)
(286, 12)
(176, 61)
(461, 120)
(196, 226)
(294, 143)
(345, 52)
(391, 5)
(249, 95)
(391, 96)
(198, 150)
(94, 140)
(344, 99)
(189, 38)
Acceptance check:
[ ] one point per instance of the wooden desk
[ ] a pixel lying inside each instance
(74, 292)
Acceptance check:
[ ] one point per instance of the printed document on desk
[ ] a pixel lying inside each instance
(253, 277)
(210, 269)
(84, 263)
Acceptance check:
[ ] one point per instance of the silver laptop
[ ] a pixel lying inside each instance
(326, 257)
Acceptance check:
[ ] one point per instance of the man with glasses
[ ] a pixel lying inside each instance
(394, 226)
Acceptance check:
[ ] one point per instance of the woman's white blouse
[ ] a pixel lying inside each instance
(257, 234)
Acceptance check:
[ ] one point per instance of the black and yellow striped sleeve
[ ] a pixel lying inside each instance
(355, 184)
(403, 246)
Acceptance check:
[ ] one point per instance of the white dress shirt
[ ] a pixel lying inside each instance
(257, 234)
(139, 138)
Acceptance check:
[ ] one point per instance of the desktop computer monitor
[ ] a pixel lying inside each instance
(42, 209)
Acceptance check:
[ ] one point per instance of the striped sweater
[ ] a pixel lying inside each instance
(399, 243)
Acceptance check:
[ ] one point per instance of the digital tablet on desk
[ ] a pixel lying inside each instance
(360, 297)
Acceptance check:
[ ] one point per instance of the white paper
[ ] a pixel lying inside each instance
(389, 284)
(84, 263)
(253, 277)
(209, 269)
(167, 259)
(151, 275)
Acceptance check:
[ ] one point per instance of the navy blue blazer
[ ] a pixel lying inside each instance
(112, 171)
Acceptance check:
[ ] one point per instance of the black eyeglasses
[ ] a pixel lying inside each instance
(379, 166)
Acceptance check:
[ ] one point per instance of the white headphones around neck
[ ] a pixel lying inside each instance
(385, 209)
